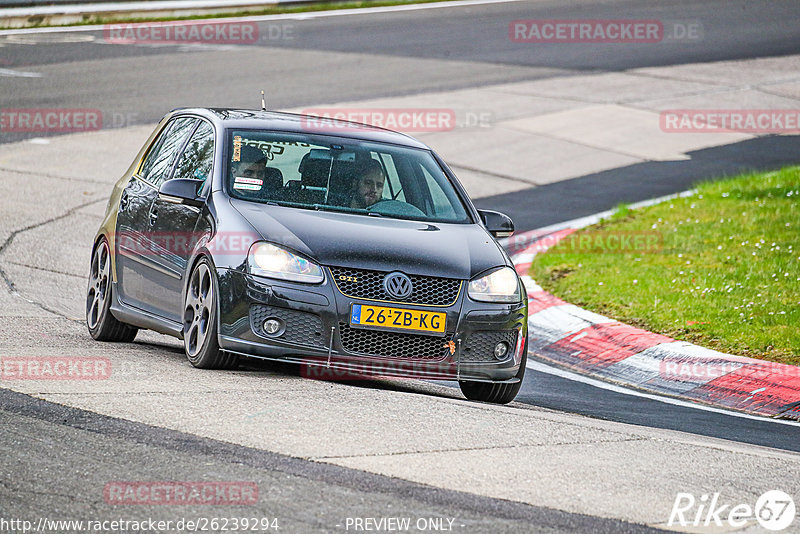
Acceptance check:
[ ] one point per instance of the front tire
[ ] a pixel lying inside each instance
(103, 326)
(200, 341)
(496, 393)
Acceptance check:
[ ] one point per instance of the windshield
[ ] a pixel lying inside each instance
(336, 174)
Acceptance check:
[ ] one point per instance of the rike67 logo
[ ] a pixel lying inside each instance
(774, 510)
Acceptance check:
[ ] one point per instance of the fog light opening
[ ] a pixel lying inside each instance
(273, 326)
(500, 350)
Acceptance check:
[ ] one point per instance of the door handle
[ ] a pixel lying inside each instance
(153, 215)
(124, 201)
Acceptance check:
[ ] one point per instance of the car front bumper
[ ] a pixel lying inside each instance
(317, 335)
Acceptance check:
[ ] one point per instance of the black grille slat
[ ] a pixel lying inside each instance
(301, 328)
(368, 285)
(393, 344)
(479, 346)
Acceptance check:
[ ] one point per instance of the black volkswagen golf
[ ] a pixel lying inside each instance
(335, 245)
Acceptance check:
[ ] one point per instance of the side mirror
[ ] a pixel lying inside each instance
(181, 191)
(498, 224)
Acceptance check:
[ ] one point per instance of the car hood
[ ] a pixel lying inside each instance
(378, 243)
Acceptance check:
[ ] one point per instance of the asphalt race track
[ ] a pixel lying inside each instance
(162, 420)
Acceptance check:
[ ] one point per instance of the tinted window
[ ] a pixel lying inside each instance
(392, 178)
(158, 163)
(197, 158)
(441, 203)
(337, 174)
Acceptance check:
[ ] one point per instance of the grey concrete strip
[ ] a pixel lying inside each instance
(621, 130)
(760, 97)
(100, 157)
(607, 88)
(530, 157)
(787, 89)
(752, 72)
(474, 108)
(482, 183)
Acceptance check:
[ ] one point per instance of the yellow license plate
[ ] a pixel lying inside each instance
(396, 318)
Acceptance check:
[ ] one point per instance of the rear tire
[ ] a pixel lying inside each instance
(102, 325)
(495, 393)
(200, 341)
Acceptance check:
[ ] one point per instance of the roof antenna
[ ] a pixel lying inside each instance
(263, 103)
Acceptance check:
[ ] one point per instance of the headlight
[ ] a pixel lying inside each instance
(266, 259)
(501, 285)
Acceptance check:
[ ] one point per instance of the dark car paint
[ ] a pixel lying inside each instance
(435, 249)
(378, 243)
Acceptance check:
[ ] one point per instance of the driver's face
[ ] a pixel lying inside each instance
(370, 188)
(251, 170)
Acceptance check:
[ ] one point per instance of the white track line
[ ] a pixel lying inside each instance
(563, 373)
(10, 73)
(284, 16)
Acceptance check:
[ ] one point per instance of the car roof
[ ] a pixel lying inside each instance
(248, 119)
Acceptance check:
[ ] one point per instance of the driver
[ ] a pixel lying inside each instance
(252, 164)
(368, 188)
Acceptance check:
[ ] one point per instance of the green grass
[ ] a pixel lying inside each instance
(719, 268)
(243, 12)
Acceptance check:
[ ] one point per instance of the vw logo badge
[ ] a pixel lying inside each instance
(397, 285)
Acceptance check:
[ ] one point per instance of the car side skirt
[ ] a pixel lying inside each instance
(141, 319)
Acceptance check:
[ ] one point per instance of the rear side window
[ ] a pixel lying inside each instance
(158, 163)
(197, 158)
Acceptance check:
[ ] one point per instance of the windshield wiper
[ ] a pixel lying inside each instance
(342, 209)
(286, 204)
(320, 207)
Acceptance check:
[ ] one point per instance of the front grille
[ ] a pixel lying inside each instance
(301, 328)
(393, 344)
(479, 346)
(368, 285)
